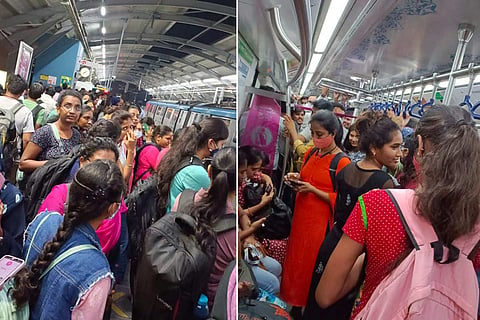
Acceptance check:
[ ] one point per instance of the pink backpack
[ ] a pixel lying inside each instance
(434, 281)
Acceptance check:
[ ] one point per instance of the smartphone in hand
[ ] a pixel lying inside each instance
(268, 189)
(9, 266)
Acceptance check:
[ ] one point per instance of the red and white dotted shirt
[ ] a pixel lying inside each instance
(385, 239)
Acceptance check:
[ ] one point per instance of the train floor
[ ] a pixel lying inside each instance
(122, 304)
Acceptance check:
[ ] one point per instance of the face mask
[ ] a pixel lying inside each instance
(138, 134)
(324, 142)
(214, 151)
(115, 213)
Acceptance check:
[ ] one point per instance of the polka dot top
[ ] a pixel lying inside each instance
(385, 239)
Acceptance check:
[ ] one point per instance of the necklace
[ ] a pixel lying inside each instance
(328, 152)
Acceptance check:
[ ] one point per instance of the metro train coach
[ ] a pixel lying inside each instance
(178, 116)
(341, 103)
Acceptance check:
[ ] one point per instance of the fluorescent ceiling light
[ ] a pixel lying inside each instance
(103, 11)
(407, 91)
(306, 82)
(477, 79)
(196, 82)
(429, 87)
(334, 13)
(316, 57)
(212, 81)
(417, 89)
(104, 30)
(443, 84)
(462, 81)
(230, 78)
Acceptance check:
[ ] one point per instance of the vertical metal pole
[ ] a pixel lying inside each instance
(287, 139)
(464, 33)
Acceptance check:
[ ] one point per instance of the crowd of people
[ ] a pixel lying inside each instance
(330, 264)
(66, 193)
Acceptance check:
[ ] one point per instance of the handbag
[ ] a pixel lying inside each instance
(279, 215)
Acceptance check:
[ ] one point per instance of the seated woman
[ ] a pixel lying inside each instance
(209, 207)
(56, 139)
(83, 279)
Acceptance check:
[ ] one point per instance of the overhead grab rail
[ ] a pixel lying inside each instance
(302, 9)
(281, 34)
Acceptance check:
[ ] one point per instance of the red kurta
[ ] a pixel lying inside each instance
(310, 220)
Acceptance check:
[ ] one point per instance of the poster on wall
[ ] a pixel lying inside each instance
(66, 80)
(24, 60)
(52, 80)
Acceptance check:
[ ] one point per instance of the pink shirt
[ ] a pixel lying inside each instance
(160, 156)
(225, 249)
(109, 230)
(92, 304)
(147, 162)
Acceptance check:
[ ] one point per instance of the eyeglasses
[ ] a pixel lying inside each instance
(69, 107)
(126, 128)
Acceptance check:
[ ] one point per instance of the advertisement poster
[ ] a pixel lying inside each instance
(24, 60)
(262, 126)
(66, 80)
(52, 80)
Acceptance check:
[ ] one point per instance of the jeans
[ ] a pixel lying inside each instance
(268, 280)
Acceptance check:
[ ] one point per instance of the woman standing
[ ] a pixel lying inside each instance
(56, 139)
(146, 158)
(313, 207)
(447, 196)
(182, 168)
(85, 120)
(83, 279)
(381, 142)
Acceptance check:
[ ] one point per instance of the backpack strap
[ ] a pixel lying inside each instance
(137, 157)
(186, 200)
(65, 255)
(17, 108)
(423, 232)
(310, 154)
(333, 168)
(36, 111)
(193, 160)
(56, 134)
(225, 223)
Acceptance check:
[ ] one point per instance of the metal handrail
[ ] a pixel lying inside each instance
(281, 34)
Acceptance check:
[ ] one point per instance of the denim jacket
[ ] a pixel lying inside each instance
(65, 284)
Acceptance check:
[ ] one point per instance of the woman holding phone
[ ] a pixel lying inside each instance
(313, 206)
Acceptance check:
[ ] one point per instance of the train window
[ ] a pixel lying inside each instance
(181, 121)
(168, 116)
(174, 118)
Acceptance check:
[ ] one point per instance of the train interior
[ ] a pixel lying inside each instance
(175, 60)
(402, 56)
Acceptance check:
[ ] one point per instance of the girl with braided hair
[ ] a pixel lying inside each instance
(78, 286)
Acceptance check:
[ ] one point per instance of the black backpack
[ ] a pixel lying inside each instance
(173, 270)
(137, 156)
(43, 179)
(142, 212)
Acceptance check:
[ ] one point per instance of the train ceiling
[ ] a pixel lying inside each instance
(164, 41)
(401, 39)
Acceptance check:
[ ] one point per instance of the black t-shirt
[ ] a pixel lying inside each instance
(352, 182)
